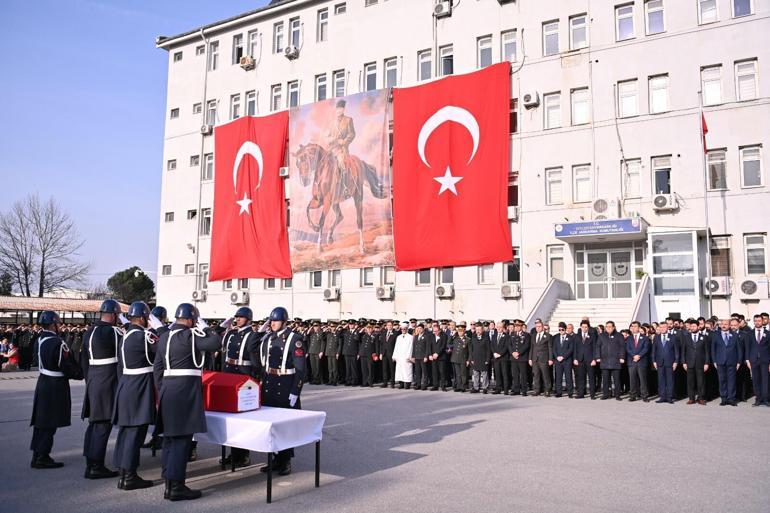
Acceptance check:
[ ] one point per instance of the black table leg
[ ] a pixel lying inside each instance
(269, 477)
(222, 461)
(317, 464)
(232, 460)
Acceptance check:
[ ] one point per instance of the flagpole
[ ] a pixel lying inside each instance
(705, 202)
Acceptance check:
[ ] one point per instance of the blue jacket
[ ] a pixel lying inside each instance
(757, 352)
(565, 349)
(727, 354)
(642, 350)
(665, 355)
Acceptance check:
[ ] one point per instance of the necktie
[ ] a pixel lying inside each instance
(759, 336)
(724, 337)
(636, 341)
(665, 339)
(694, 338)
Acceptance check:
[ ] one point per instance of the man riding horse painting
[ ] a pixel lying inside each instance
(340, 209)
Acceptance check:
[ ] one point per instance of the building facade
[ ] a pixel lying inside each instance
(612, 199)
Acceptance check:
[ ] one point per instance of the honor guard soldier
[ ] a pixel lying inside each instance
(459, 357)
(315, 348)
(332, 348)
(161, 315)
(52, 405)
(283, 362)
(177, 370)
(241, 351)
(99, 360)
(135, 395)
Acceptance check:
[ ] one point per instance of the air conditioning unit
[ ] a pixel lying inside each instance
(664, 202)
(717, 286)
(199, 295)
(283, 172)
(239, 298)
(754, 288)
(605, 209)
(247, 62)
(510, 290)
(207, 129)
(513, 213)
(332, 294)
(445, 291)
(385, 293)
(291, 52)
(530, 100)
(442, 9)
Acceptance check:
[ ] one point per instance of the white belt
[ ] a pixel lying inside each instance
(234, 361)
(53, 374)
(135, 372)
(103, 361)
(168, 373)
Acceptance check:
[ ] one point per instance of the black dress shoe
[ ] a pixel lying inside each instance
(661, 401)
(486, 391)
(43, 462)
(177, 491)
(285, 470)
(99, 471)
(558, 396)
(384, 385)
(443, 389)
(723, 403)
(733, 403)
(474, 391)
(121, 479)
(604, 398)
(632, 399)
(670, 401)
(434, 389)
(132, 481)
(646, 399)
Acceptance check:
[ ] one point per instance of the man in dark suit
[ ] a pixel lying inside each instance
(584, 360)
(563, 348)
(727, 353)
(420, 348)
(479, 357)
(540, 360)
(438, 357)
(500, 358)
(665, 357)
(757, 350)
(695, 360)
(638, 352)
(518, 347)
(611, 354)
(387, 342)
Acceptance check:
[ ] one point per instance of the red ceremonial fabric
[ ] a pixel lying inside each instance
(463, 218)
(249, 237)
(704, 131)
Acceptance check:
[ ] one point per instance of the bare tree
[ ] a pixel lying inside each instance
(39, 245)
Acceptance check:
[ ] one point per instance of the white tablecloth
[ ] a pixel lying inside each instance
(264, 430)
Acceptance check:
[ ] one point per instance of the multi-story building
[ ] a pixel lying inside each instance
(615, 209)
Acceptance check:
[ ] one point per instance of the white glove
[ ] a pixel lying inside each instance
(201, 324)
(226, 323)
(264, 326)
(292, 400)
(155, 322)
(122, 318)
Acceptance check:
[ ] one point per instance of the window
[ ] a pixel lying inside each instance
(287, 283)
(205, 221)
(269, 283)
(485, 274)
(632, 181)
(322, 26)
(174, 113)
(754, 248)
(555, 262)
(293, 93)
(553, 186)
(370, 76)
(197, 108)
(316, 279)
(168, 217)
(203, 276)
(253, 42)
(294, 32)
(211, 112)
(207, 172)
(552, 111)
(200, 50)
(711, 85)
(189, 268)
(628, 99)
(320, 87)
(446, 59)
(751, 167)
(581, 183)
(334, 278)
(251, 103)
(512, 269)
(237, 48)
(578, 32)
(746, 80)
(213, 55)
(661, 172)
(550, 38)
(720, 255)
(654, 20)
(513, 189)
(624, 22)
(278, 40)
(716, 162)
(513, 115)
(742, 8)
(424, 65)
(340, 8)
(195, 160)
(388, 275)
(243, 283)
(367, 276)
(581, 112)
(391, 72)
(227, 285)
(235, 106)
(339, 83)
(275, 97)
(445, 275)
(171, 165)
(483, 52)
(192, 214)
(166, 270)
(177, 56)
(508, 45)
(422, 277)
(707, 11)
(658, 87)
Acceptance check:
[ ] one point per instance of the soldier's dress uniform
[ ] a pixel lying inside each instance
(366, 350)
(350, 340)
(459, 359)
(332, 350)
(518, 342)
(241, 356)
(316, 343)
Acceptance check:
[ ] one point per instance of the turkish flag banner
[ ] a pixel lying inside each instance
(450, 171)
(249, 236)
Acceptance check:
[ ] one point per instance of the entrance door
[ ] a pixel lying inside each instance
(621, 275)
(596, 265)
(610, 274)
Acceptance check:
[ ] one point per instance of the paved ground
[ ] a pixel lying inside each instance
(392, 451)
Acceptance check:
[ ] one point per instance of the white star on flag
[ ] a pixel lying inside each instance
(448, 182)
(244, 204)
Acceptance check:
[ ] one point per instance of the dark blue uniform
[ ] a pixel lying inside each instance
(240, 350)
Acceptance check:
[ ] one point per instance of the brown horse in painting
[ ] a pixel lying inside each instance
(319, 166)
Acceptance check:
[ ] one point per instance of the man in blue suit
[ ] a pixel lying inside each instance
(638, 349)
(665, 357)
(757, 350)
(726, 354)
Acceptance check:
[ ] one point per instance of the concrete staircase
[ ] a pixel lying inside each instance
(598, 310)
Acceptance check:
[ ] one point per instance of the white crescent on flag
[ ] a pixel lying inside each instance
(448, 113)
(253, 149)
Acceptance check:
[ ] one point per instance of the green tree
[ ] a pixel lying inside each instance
(6, 284)
(131, 284)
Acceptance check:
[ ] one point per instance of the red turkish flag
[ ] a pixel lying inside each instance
(249, 237)
(450, 171)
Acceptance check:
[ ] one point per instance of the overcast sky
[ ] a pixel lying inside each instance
(83, 89)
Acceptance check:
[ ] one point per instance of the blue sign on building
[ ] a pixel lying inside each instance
(599, 227)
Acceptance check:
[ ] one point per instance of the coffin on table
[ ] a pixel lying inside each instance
(231, 393)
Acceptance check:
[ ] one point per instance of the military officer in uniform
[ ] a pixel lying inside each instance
(135, 396)
(350, 340)
(459, 357)
(178, 362)
(385, 347)
(340, 134)
(420, 348)
(367, 352)
(52, 404)
(160, 313)
(99, 360)
(315, 349)
(332, 350)
(282, 356)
